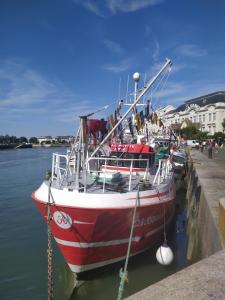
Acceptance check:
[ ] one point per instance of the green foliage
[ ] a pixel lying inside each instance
(33, 140)
(219, 136)
(192, 133)
(6, 139)
(22, 139)
(223, 124)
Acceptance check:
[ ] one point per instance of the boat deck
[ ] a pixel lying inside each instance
(97, 185)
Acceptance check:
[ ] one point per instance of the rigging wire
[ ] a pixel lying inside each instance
(128, 79)
(158, 84)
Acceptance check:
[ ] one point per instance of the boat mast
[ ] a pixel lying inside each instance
(145, 89)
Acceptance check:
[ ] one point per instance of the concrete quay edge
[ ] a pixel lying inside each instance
(204, 279)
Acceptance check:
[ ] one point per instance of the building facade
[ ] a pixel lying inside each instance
(208, 111)
(45, 139)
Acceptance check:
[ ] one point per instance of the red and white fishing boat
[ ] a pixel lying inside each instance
(92, 199)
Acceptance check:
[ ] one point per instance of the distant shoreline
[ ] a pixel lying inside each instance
(14, 146)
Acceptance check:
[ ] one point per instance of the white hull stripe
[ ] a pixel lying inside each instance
(83, 268)
(96, 244)
(108, 243)
(80, 222)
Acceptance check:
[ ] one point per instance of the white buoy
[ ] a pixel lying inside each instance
(164, 255)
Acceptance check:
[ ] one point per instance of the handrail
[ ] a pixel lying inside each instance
(162, 171)
(59, 173)
(116, 159)
(56, 166)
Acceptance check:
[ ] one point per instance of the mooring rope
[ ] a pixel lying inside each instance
(49, 249)
(123, 272)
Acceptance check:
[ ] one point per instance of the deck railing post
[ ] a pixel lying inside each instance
(104, 177)
(131, 171)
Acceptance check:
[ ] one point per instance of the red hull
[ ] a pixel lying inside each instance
(91, 238)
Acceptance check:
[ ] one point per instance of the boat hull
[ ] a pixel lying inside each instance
(94, 237)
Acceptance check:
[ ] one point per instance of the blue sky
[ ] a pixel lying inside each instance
(63, 58)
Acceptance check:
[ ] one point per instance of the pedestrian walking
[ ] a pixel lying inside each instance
(210, 149)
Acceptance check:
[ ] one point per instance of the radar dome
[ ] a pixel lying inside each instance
(136, 76)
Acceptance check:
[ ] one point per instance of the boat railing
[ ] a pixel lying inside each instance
(60, 168)
(163, 171)
(97, 168)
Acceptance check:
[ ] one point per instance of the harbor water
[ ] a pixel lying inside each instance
(23, 247)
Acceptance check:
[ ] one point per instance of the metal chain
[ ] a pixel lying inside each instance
(50, 273)
(49, 250)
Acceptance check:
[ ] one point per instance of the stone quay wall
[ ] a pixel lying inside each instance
(205, 277)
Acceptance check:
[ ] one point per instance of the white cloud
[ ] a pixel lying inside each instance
(32, 104)
(28, 92)
(24, 87)
(113, 46)
(71, 114)
(156, 51)
(91, 6)
(191, 50)
(117, 68)
(115, 6)
(176, 93)
(126, 6)
(148, 30)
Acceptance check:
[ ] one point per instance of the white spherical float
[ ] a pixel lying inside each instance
(136, 76)
(164, 255)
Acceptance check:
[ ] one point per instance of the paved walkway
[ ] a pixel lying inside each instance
(218, 156)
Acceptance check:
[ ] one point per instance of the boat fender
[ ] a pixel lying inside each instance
(164, 255)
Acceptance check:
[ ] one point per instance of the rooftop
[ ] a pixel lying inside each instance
(203, 100)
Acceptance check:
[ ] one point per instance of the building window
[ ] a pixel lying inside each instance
(214, 116)
(194, 119)
(200, 118)
(203, 118)
(210, 129)
(210, 117)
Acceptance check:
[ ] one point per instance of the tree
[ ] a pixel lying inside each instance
(223, 124)
(23, 139)
(33, 140)
(219, 136)
(191, 132)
